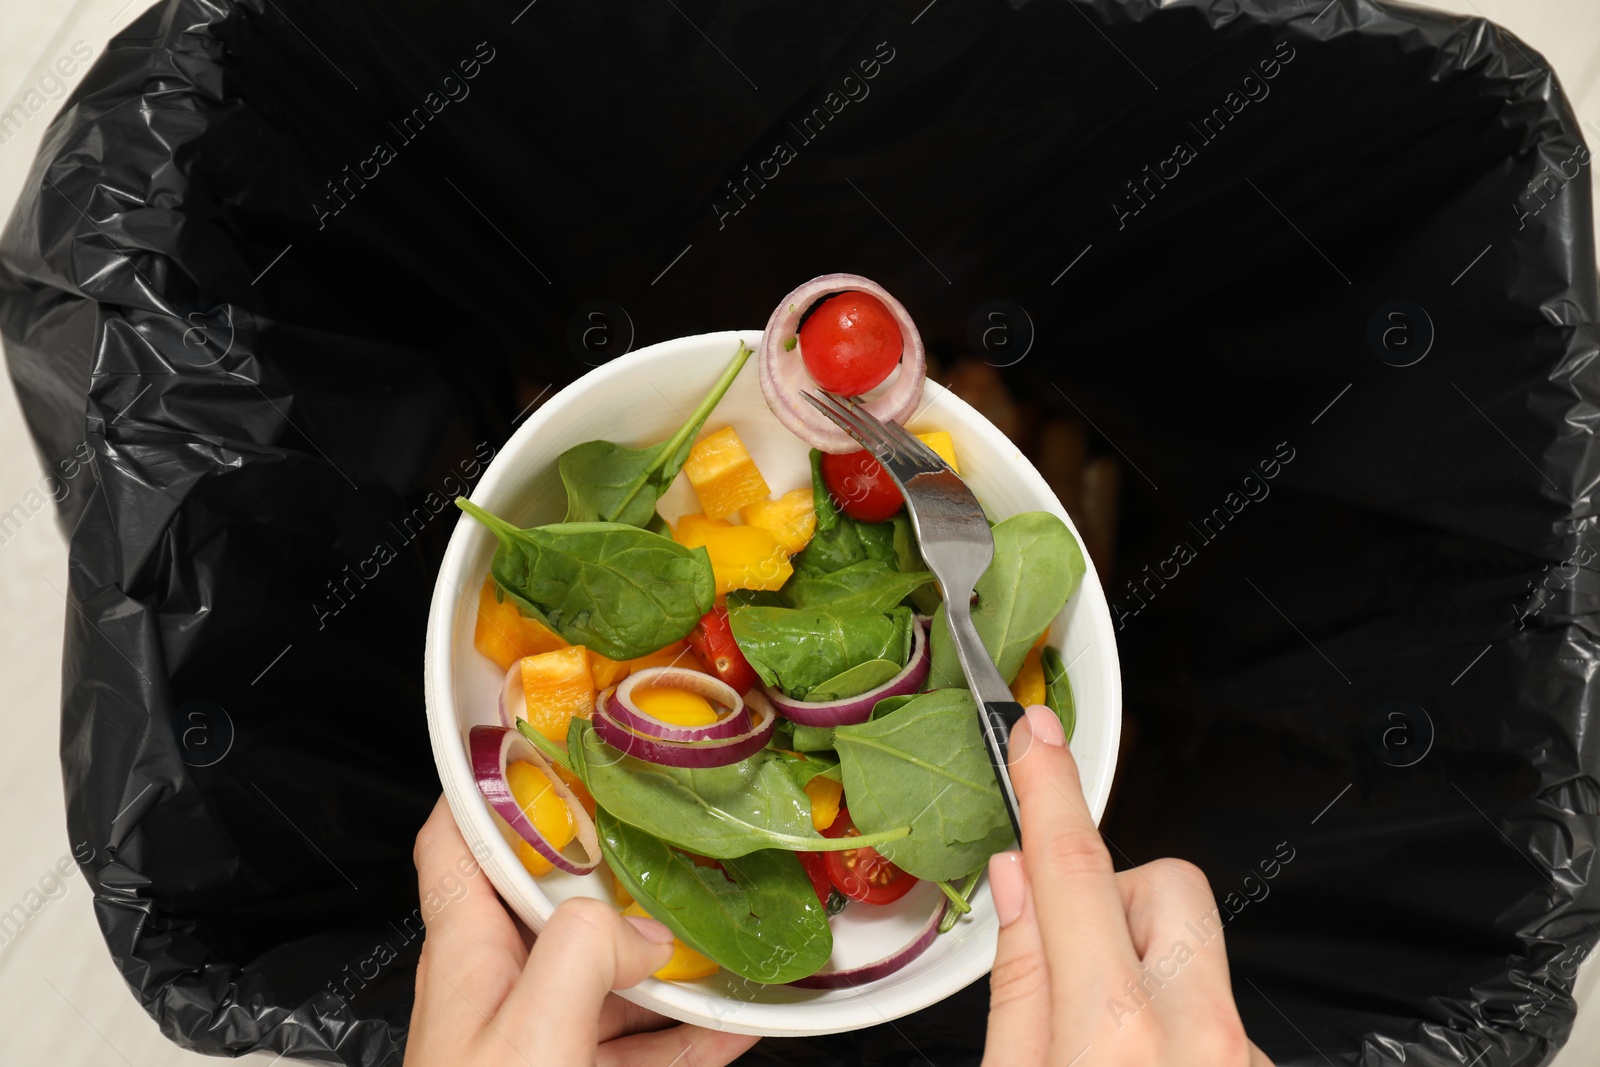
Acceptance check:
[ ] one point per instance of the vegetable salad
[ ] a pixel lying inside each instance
(754, 715)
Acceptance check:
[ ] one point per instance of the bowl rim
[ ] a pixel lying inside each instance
(448, 740)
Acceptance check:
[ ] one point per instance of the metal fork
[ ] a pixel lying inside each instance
(958, 547)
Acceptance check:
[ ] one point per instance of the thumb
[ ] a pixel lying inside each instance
(1019, 985)
(586, 950)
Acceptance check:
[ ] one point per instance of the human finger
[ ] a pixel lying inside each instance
(681, 1046)
(1070, 876)
(1183, 978)
(470, 947)
(586, 950)
(1019, 984)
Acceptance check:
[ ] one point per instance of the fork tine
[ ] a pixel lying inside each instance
(903, 442)
(906, 441)
(854, 422)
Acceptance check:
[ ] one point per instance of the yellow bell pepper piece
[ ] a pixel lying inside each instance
(1028, 686)
(620, 892)
(608, 672)
(505, 635)
(825, 794)
(531, 789)
(723, 474)
(672, 704)
(685, 963)
(742, 557)
(792, 518)
(558, 686)
(941, 442)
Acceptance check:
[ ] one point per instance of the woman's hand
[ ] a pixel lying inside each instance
(1097, 967)
(485, 998)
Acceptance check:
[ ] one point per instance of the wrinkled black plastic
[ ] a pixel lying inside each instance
(276, 376)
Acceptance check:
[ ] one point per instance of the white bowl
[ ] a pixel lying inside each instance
(640, 399)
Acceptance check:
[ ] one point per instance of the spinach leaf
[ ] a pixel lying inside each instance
(1037, 566)
(870, 585)
(619, 590)
(809, 739)
(839, 540)
(761, 920)
(856, 680)
(925, 766)
(1058, 689)
(889, 705)
(720, 812)
(796, 649)
(814, 765)
(755, 598)
(608, 482)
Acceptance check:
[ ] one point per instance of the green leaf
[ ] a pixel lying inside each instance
(890, 705)
(1037, 566)
(761, 920)
(809, 739)
(814, 765)
(719, 812)
(796, 649)
(839, 540)
(616, 589)
(755, 598)
(870, 585)
(1058, 689)
(925, 766)
(608, 482)
(857, 680)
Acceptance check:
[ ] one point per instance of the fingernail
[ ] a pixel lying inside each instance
(1045, 725)
(1007, 884)
(651, 929)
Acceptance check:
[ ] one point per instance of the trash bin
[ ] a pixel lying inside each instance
(1319, 278)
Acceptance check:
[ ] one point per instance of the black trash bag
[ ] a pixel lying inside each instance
(1322, 279)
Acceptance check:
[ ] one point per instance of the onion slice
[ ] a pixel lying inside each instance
(513, 697)
(734, 721)
(784, 377)
(871, 972)
(848, 711)
(492, 748)
(717, 752)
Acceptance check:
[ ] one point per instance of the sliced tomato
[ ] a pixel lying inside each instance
(860, 486)
(850, 343)
(862, 873)
(712, 640)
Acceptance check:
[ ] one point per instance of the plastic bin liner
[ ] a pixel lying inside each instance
(1320, 275)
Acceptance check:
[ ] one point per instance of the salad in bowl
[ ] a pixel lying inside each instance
(684, 655)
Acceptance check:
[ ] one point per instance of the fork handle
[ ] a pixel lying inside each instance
(997, 719)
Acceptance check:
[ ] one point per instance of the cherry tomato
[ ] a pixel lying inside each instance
(850, 343)
(816, 863)
(712, 640)
(860, 486)
(861, 873)
(817, 870)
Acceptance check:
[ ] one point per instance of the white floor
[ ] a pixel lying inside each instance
(61, 999)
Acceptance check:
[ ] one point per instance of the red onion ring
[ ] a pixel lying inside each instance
(513, 698)
(697, 754)
(734, 721)
(871, 972)
(848, 711)
(492, 748)
(784, 376)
